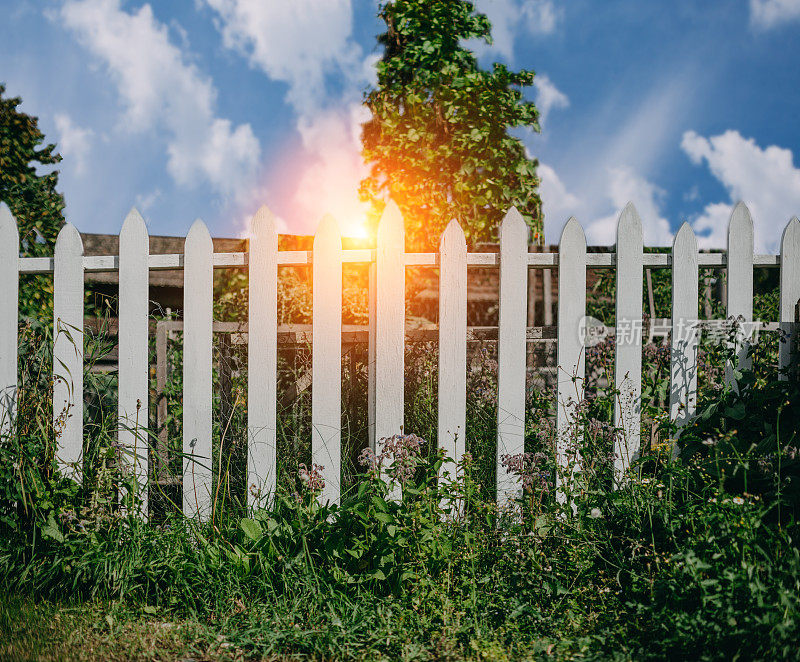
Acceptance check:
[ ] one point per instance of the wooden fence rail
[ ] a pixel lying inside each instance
(386, 335)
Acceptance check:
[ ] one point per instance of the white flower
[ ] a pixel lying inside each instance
(594, 513)
(710, 442)
(646, 481)
(738, 501)
(712, 500)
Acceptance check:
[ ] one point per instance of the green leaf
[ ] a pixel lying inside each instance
(51, 530)
(251, 528)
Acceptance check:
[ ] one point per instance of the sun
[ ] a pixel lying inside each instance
(357, 229)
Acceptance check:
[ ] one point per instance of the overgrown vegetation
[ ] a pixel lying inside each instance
(689, 558)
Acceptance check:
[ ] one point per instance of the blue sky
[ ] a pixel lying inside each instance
(210, 108)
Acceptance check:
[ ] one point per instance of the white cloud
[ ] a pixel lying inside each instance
(305, 43)
(161, 89)
(512, 18)
(144, 201)
(766, 14)
(329, 181)
(599, 217)
(625, 186)
(558, 203)
(74, 142)
(765, 179)
(548, 96)
(298, 42)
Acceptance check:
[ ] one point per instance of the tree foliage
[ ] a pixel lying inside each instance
(438, 141)
(31, 197)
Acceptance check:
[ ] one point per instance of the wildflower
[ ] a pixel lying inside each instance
(524, 466)
(712, 500)
(646, 481)
(595, 513)
(738, 501)
(710, 442)
(312, 478)
(400, 452)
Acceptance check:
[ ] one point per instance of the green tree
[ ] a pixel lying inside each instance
(438, 141)
(31, 197)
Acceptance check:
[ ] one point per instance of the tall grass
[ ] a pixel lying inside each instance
(687, 558)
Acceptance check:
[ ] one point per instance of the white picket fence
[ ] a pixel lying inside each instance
(387, 333)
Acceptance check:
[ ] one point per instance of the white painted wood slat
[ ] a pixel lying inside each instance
(262, 358)
(9, 314)
(198, 289)
(685, 328)
(511, 348)
(571, 344)
(326, 390)
(452, 411)
(133, 362)
(390, 316)
(68, 350)
(628, 354)
(740, 285)
(108, 263)
(790, 292)
(371, 341)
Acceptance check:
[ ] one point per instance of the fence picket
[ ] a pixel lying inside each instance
(685, 329)
(386, 337)
(9, 314)
(262, 358)
(133, 363)
(453, 342)
(789, 292)
(511, 348)
(390, 316)
(326, 391)
(740, 283)
(198, 289)
(571, 341)
(628, 354)
(68, 350)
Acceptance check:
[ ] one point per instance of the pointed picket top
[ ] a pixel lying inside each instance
(789, 291)
(199, 235)
(134, 229)
(572, 234)
(134, 219)
(391, 229)
(790, 239)
(327, 230)
(685, 238)
(513, 227)
(629, 226)
(453, 237)
(9, 234)
(69, 240)
(263, 223)
(741, 220)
